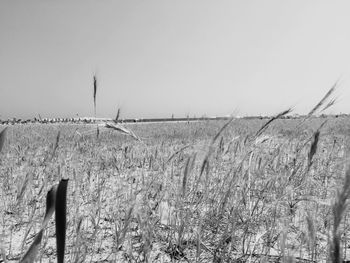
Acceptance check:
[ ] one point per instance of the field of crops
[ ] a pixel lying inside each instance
(208, 191)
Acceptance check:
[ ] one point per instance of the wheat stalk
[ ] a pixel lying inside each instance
(95, 91)
(264, 127)
(338, 210)
(323, 100)
(55, 201)
(2, 138)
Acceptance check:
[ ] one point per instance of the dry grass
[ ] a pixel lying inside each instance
(189, 192)
(240, 191)
(2, 138)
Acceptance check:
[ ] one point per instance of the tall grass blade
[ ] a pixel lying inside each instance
(314, 143)
(30, 255)
(61, 219)
(205, 164)
(322, 101)
(2, 138)
(20, 194)
(117, 117)
(329, 104)
(95, 91)
(50, 204)
(264, 127)
(178, 151)
(221, 130)
(338, 210)
(313, 148)
(56, 144)
(184, 179)
(311, 234)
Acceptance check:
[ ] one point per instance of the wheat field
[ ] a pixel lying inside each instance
(210, 191)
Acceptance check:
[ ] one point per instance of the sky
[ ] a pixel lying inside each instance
(158, 58)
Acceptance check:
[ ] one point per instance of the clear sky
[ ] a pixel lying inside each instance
(158, 58)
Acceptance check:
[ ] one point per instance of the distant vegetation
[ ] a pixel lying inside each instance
(86, 120)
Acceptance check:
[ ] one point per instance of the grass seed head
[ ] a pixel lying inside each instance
(323, 100)
(313, 147)
(95, 92)
(264, 127)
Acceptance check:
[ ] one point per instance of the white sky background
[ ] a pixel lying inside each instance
(157, 58)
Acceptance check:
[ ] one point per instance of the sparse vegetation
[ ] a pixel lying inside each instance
(188, 192)
(211, 191)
